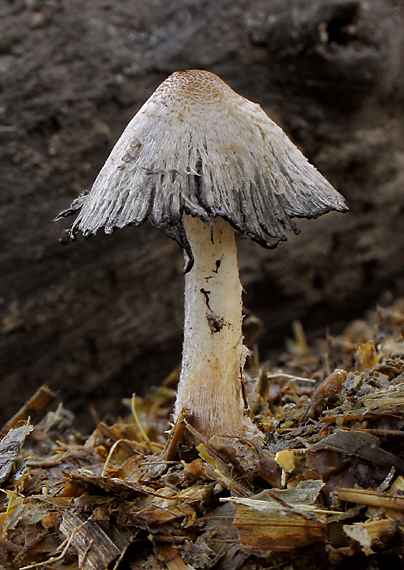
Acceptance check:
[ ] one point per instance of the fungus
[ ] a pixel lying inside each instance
(198, 161)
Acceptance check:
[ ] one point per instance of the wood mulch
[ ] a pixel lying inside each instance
(325, 491)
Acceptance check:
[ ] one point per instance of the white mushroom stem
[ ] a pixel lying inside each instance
(210, 386)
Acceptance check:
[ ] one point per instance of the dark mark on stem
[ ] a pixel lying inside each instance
(206, 293)
(215, 323)
(218, 262)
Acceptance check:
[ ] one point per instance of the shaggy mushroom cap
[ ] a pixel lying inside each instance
(197, 147)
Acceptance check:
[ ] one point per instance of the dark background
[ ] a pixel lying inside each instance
(103, 318)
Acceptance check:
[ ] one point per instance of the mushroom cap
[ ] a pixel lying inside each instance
(196, 146)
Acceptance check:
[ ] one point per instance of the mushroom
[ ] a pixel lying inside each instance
(199, 160)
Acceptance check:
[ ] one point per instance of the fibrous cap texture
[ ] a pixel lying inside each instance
(198, 147)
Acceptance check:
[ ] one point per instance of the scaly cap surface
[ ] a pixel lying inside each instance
(196, 146)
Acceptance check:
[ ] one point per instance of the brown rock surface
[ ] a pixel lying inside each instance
(103, 317)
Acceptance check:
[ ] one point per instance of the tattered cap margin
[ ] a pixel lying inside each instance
(198, 147)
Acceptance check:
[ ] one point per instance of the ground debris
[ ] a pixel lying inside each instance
(98, 543)
(327, 485)
(10, 447)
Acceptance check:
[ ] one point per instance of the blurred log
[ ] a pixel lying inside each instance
(103, 318)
